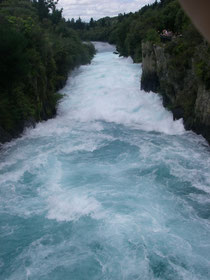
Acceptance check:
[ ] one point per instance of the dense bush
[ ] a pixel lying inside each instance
(38, 49)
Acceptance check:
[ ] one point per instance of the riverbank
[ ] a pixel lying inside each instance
(38, 51)
(45, 109)
(184, 91)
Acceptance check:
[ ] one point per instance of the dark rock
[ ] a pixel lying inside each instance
(150, 82)
(4, 136)
(178, 113)
(189, 124)
(29, 123)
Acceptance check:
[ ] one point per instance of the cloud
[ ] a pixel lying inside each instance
(99, 8)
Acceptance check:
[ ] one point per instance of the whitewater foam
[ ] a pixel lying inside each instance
(117, 98)
(70, 207)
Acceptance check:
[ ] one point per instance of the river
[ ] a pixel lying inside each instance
(110, 189)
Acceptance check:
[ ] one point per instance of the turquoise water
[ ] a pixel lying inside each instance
(112, 188)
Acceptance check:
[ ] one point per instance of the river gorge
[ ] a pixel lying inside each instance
(112, 188)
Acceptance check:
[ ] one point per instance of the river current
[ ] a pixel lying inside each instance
(111, 189)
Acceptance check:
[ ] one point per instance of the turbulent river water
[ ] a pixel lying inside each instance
(111, 189)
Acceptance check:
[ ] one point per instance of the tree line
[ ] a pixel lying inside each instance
(128, 31)
(38, 48)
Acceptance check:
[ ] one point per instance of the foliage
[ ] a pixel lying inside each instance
(152, 36)
(128, 31)
(38, 49)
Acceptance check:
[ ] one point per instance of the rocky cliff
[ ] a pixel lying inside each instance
(182, 81)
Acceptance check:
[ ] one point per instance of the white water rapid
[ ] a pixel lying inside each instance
(111, 189)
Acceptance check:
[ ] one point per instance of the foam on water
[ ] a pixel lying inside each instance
(117, 98)
(112, 188)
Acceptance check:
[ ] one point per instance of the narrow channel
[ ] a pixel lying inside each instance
(112, 188)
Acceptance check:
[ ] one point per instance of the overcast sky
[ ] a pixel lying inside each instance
(99, 8)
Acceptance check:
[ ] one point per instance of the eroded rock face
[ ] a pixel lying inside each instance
(183, 93)
(202, 105)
